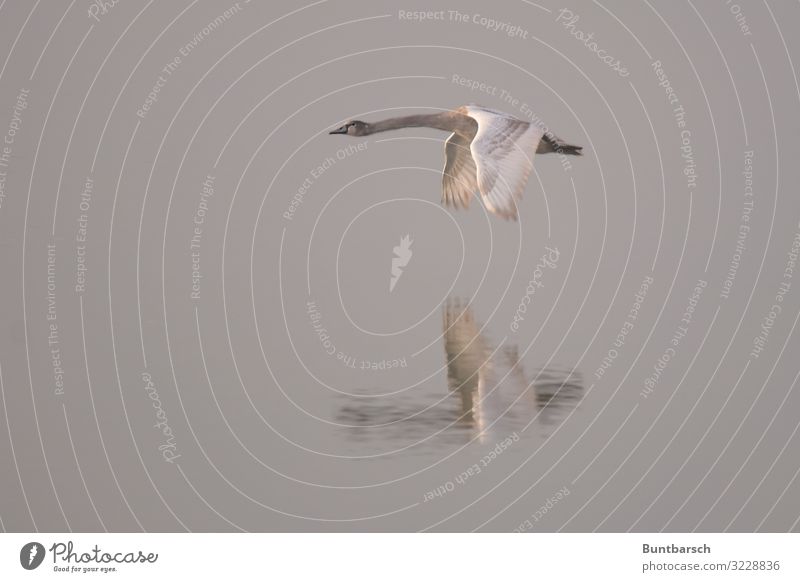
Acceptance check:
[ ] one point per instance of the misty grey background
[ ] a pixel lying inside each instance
(273, 433)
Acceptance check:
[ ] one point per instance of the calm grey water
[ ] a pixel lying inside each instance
(488, 395)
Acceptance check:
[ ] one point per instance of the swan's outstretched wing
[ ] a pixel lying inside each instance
(459, 177)
(503, 150)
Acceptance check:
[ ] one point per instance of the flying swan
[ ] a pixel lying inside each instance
(488, 151)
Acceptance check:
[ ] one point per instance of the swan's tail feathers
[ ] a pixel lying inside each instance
(570, 150)
(551, 144)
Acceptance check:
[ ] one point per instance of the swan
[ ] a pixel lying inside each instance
(488, 151)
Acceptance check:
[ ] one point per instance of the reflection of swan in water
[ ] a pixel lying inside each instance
(492, 395)
(469, 359)
(495, 393)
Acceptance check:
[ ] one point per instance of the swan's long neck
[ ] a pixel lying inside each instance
(442, 121)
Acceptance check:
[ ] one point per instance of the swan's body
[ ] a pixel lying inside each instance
(488, 152)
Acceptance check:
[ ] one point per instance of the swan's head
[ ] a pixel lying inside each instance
(353, 128)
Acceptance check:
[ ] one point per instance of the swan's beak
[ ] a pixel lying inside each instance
(342, 129)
